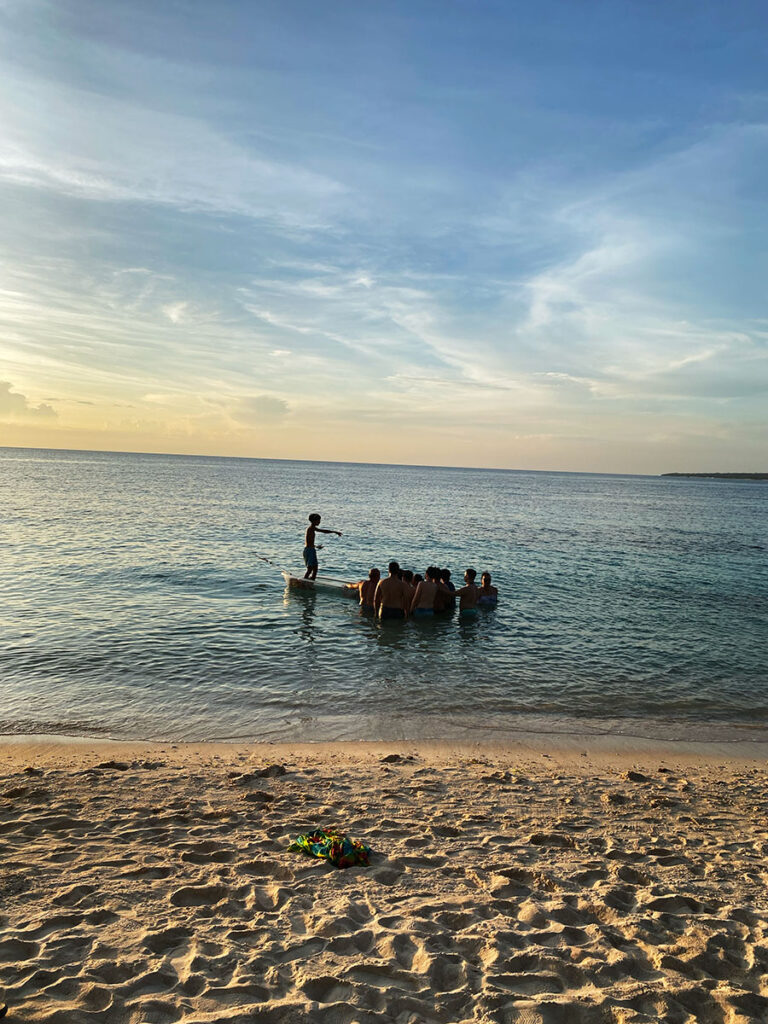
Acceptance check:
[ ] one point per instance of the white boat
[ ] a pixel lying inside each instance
(321, 583)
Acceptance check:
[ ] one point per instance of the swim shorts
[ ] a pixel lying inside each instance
(392, 613)
(310, 558)
(468, 611)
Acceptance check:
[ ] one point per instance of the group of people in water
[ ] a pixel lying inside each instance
(403, 593)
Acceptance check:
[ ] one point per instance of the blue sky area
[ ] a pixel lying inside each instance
(464, 233)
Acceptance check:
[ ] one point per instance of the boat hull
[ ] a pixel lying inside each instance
(322, 583)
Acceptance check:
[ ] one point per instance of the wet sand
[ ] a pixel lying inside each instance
(577, 882)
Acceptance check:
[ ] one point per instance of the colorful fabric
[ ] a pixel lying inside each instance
(334, 846)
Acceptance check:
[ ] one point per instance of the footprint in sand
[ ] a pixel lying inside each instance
(633, 876)
(73, 897)
(148, 871)
(101, 917)
(304, 951)
(171, 938)
(64, 989)
(387, 875)
(58, 923)
(207, 853)
(268, 899)
(678, 905)
(399, 947)
(198, 895)
(237, 994)
(620, 898)
(590, 878)
(150, 983)
(60, 822)
(325, 990)
(383, 977)
(527, 984)
(391, 922)
(160, 1011)
(567, 936)
(193, 985)
(501, 888)
(446, 973)
(62, 857)
(65, 951)
(456, 921)
(266, 869)
(15, 950)
(114, 974)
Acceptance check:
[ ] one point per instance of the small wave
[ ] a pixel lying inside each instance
(68, 727)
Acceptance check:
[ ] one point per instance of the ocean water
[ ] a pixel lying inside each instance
(135, 603)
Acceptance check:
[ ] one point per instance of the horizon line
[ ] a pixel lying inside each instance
(333, 462)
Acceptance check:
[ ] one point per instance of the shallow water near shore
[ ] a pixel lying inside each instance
(136, 605)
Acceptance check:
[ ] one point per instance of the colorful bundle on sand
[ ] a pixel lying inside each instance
(334, 846)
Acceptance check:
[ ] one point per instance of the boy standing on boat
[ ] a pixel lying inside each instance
(310, 551)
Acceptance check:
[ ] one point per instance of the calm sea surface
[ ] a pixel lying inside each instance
(134, 603)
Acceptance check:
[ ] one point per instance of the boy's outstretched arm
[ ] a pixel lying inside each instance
(337, 532)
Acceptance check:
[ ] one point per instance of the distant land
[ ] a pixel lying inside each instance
(723, 476)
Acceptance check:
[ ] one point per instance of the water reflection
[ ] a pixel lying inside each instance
(306, 600)
(424, 635)
(469, 629)
(391, 634)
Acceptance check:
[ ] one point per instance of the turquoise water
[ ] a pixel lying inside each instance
(135, 604)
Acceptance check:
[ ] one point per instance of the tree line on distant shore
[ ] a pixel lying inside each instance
(723, 476)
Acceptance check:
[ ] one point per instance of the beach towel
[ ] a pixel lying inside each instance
(334, 846)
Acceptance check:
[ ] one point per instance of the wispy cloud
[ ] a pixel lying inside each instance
(105, 148)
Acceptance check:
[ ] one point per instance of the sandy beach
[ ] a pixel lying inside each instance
(578, 882)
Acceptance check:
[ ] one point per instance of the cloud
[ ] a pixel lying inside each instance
(255, 409)
(14, 405)
(176, 311)
(88, 145)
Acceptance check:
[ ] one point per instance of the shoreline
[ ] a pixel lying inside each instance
(564, 746)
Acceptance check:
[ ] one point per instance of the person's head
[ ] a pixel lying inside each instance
(315, 519)
(431, 573)
(394, 569)
(485, 579)
(445, 575)
(374, 574)
(407, 575)
(417, 579)
(469, 575)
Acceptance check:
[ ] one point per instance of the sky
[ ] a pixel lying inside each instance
(461, 232)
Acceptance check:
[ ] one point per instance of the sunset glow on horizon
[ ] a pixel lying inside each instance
(467, 234)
